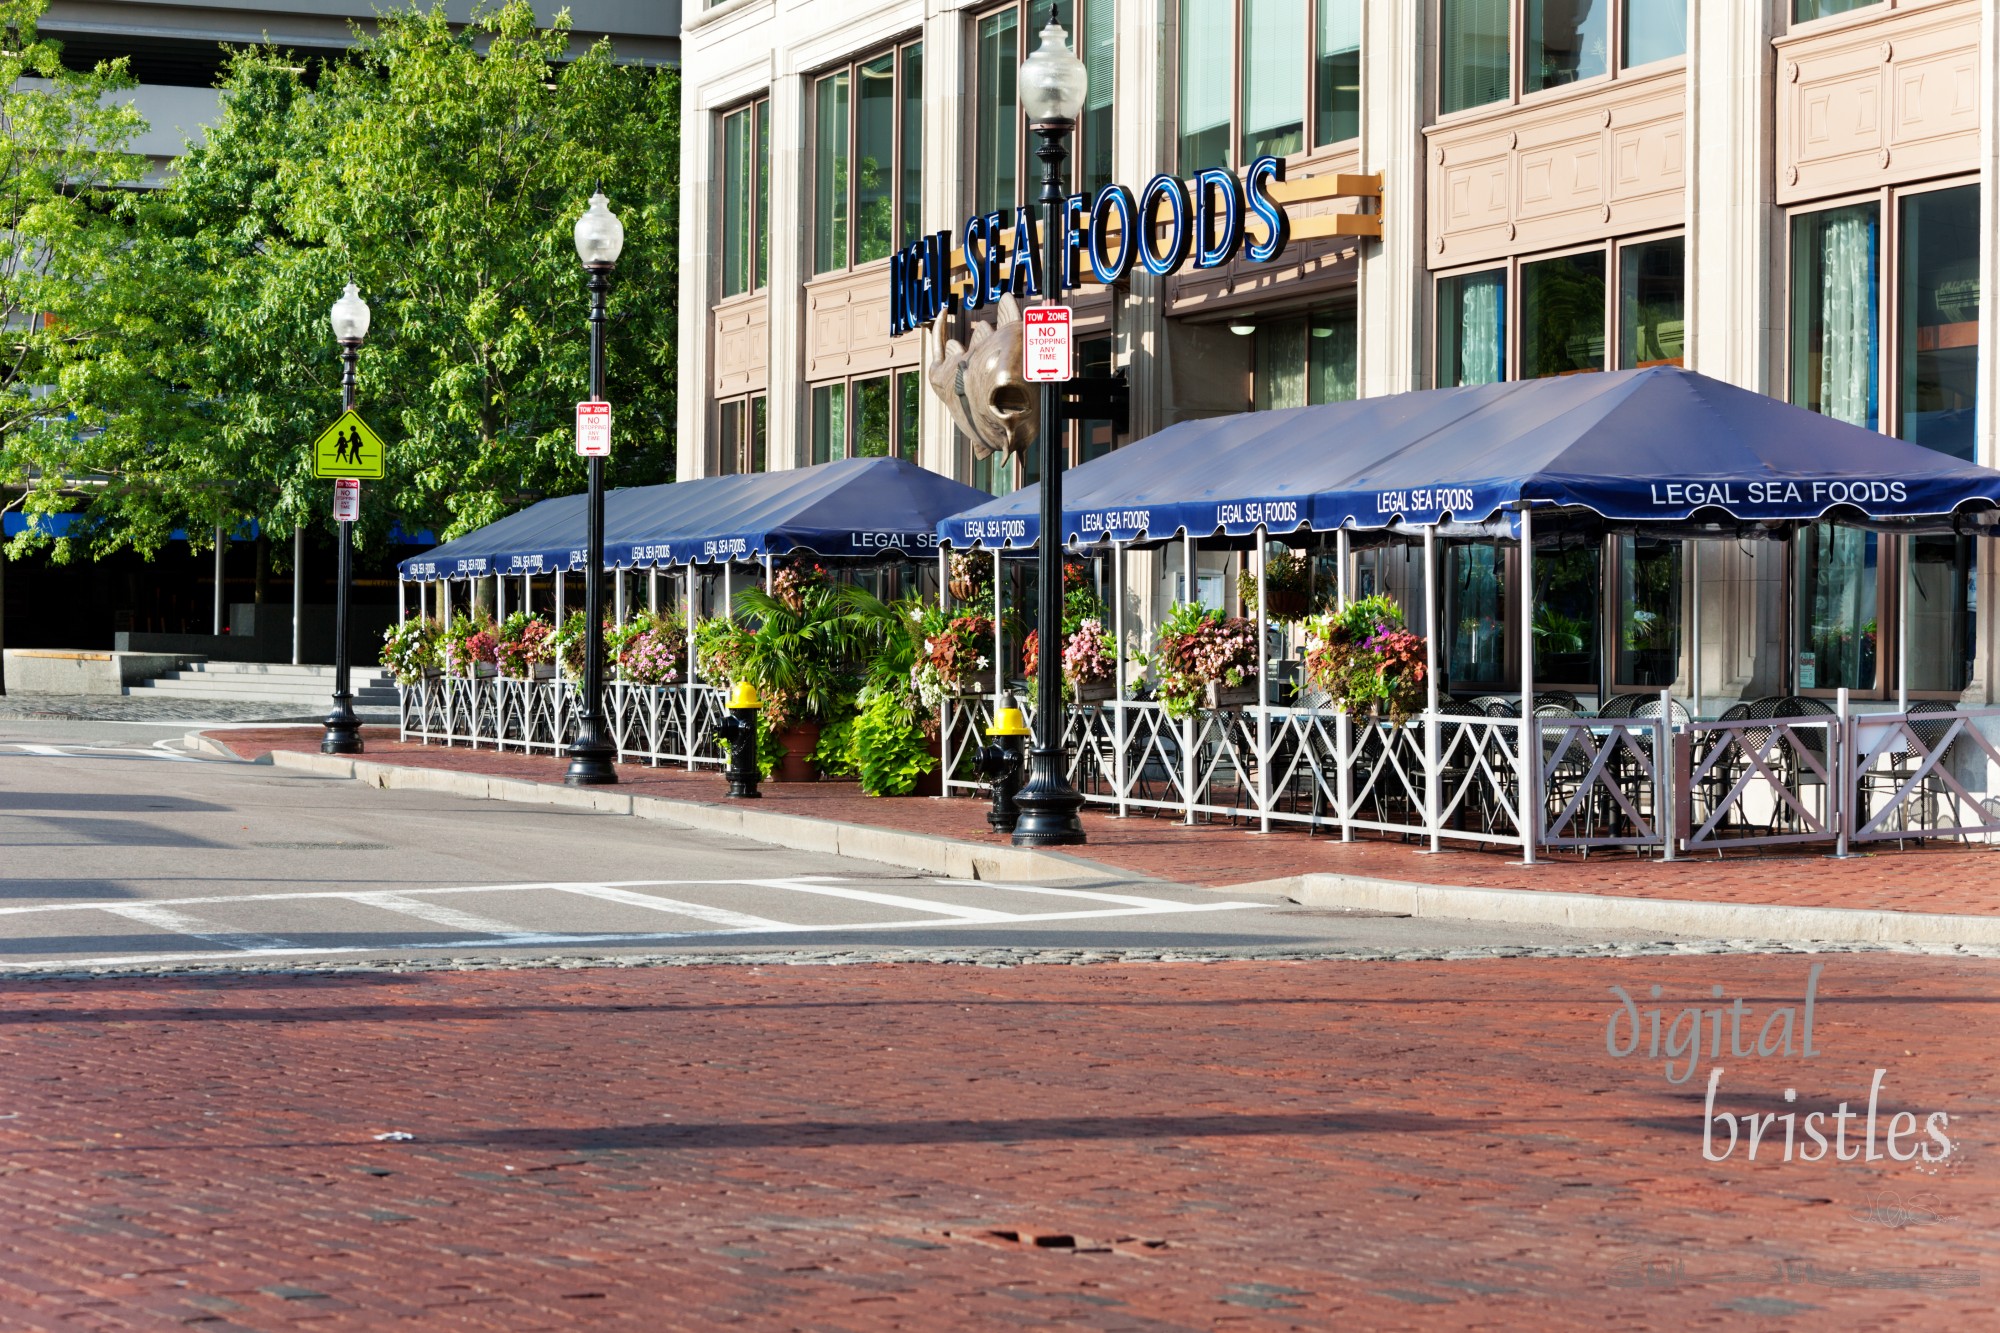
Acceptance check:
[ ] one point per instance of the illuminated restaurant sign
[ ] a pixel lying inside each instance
(1160, 229)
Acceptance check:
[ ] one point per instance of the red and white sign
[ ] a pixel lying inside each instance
(593, 430)
(346, 499)
(1046, 344)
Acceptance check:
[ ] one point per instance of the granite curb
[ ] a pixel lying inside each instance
(1767, 922)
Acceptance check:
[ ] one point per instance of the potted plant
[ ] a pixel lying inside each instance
(1287, 580)
(470, 648)
(1089, 661)
(950, 659)
(799, 655)
(971, 579)
(1202, 659)
(410, 651)
(1364, 659)
(524, 647)
(653, 650)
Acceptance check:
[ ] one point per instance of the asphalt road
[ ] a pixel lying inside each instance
(120, 849)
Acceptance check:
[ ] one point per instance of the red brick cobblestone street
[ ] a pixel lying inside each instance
(1257, 1145)
(1937, 878)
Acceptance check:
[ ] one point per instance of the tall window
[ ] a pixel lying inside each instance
(1002, 163)
(1834, 291)
(867, 158)
(1562, 315)
(1648, 601)
(1652, 303)
(1557, 323)
(871, 417)
(1938, 325)
(1806, 10)
(1294, 80)
(1561, 42)
(1472, 328)
(746, 192)
(740, 434)
(1305, 360)
(1838, 602)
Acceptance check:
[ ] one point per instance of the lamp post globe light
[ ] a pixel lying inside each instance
(600, 237)
(349, 318)
(1051, 88)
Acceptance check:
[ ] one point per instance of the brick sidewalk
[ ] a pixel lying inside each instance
(928, 1148)
(1927, 879)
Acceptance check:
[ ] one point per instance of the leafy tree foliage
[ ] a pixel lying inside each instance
(63, 140)
(442, 171)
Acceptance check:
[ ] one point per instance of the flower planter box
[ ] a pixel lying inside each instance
(1231, 696)
(433, 673)
(1094, 691)
(542, 671)
(485, 670)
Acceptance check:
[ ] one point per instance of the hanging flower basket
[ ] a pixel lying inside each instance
(1287, 603)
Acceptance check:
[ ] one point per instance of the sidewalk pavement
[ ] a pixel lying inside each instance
(1939, 879)
(919, 1147)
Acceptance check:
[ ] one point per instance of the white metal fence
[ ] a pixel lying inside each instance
(650, 724)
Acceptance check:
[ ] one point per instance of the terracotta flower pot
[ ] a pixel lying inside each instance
(797, 765)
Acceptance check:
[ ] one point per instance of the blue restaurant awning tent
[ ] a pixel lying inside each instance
(1636, 446)
(854, 507)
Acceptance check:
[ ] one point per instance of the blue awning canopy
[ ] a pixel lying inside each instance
(1633, 447)
(855, 507)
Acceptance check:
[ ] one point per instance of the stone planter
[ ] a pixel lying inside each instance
(797, 765)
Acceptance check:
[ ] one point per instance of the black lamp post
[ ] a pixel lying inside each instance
(343, 730)
(1052, 84)
(599, 239)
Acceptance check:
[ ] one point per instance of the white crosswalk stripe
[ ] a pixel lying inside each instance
(473, 931)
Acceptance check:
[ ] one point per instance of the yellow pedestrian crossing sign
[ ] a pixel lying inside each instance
(348, 448)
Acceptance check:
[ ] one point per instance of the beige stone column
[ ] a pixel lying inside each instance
(1397, 53)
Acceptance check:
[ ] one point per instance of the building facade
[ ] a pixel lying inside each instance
(174, 45)
(1796, 196)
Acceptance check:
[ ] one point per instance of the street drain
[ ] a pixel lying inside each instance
(1044, 1240)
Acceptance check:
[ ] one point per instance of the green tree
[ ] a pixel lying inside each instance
(442, 171)
(64, 136)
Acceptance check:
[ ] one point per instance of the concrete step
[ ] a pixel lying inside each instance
(268, 682)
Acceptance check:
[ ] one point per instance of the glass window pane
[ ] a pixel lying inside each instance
(829, 423)
(1837, 608)
(1567, 583)
(1098, 53)
(912, 202)
(1472, 54)
(1833, 313)
(1207, 34)
(1094, 438)
(909, 394)
(1802, 10)
(1332, 374)
(1280, 379)
(830, 173)
(758, 461)
(738, 191)
(875, 159)
(1274, 88)
(728, 438)
(1649, 605)
(1943, 592)
(871, 417)
(1562, 315)
(1655, 30)
(994, 151)
(762, 208)
(1337, 71)
(1568, 40)
(1652, 303)
(1476, 603)
(993, 474)
(1471, 309)
(1940, 319)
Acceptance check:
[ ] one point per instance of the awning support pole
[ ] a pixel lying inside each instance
(1433, 761)
(1694, 625)
(1906, 552)
(1343, 725)
(767, 573)
(998, 653)
(500, 598)
(1530, 741)
(402, 607)
(653, 589)
(688, 688)
(1118, 670)
(1263, 692)
(218, 580)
